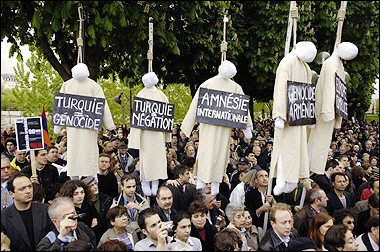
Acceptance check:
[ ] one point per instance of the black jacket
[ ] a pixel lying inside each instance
(271, 242)
(105, 203)
(208, 243)
(323, 181)
(108, 184)
(253, 202)
(13, 226)
(182, 200)
(334, 202)
(162, 214)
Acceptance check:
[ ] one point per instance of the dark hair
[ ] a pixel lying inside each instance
(146, 213)
(337, 174)
(340, 214)
(197, 206)
(373, 200)
(114, 212)
(38, 192)
(36, 152)
(178, 216)
(189, 161)
(342, 156)
(77, 245)
(113, 245)
(50, 147)
(373, 221)
(372, 181)
(103, 154)
(162, 188)
(10, 185)
(127, 177)
(69, 187)
(331, 163)
(179, 170)
(335, 237)
(226, 240)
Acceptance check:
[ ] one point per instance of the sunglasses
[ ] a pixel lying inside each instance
(350, 222)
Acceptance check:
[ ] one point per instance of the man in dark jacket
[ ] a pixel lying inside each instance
(67, 228)
(164, 204)
(282, 232)
(24, 222)
(338, 197)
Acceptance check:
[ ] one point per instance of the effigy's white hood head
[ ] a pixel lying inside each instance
(80, 71)
(347, 50)
(227, 70)
(306, 51)
(150, 79)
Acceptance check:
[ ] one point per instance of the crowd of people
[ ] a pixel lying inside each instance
(49, 210)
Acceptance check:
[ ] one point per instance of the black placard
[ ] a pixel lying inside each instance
(340, 97)
(152, 115)
(301, 103)
(29, 133)
(222, 108)
(78, 111)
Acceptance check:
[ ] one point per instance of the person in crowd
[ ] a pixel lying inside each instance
(20, 160)
(369, 241)
(47, 174)
(24, 222)
(133, 201)
(252, 160)
(200, 227)
(126, 160)
(373, 160)
(357, 178)
(101, 202)
(339, 198)
(324, 180)
(236, 151)
(318, 228)
(156, 233)
(107, 181)
(77, 191)
(282, 232)
(6, 199)
(67, 227)
(10, 148)
(369, 149)
(255, 199)
(316, 203)
(247, 184)
(347, 217)
(229, 239)
(373, 209)
(262, 160)
(243, 165)
(113, 245)
(190, 162)
(164, 203)
(62, 150)
(302, 244)
(373, 187)
(53, 156)
(340, 238)
(253, 234)
(189, 151)
(9, 132)
(38, 193)
(182, 227)
(235, 214)
(117, 218)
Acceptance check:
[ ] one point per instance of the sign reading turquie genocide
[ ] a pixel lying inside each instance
(301, 103)
(152, 115)
(341, 97)
(29, 133)
(222, 108)
(78, 111)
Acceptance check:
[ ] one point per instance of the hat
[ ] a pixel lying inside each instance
(301, 244)
(88, 180)
(122, 145)
(243, 161)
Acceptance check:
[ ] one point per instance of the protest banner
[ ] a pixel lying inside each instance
(78, 111)
(152, 115)
(301, 103)
(341, 97)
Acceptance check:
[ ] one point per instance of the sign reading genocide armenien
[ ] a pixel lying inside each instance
(341, 97)
(29, 133)
(78, 111)
(152, 115)
(301, 103)
(222, 108)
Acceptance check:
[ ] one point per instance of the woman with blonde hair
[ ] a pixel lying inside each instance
(318, 228)
(247, 183)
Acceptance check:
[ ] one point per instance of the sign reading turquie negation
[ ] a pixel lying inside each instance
(152, 115)
(78, 111)
(301, 103)
(29, 133)
(222, 108)
(341, 98)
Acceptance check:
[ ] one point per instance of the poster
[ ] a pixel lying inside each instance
(301, 103)
(29, 133)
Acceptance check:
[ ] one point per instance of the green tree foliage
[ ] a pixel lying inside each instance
(187, 38)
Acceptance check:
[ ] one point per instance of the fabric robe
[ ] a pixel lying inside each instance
(82, 145)
(151, 143)
(291, 141)
(213, 150)
(320, 136)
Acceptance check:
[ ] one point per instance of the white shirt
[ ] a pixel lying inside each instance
(285, 241)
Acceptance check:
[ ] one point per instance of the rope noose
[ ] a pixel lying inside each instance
(80, 39)
(223, 46)
(341, 15)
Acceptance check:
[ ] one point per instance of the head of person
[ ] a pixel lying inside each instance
(340, 238)
(339, 168)
(235, 214)
(339, 181)
(5, 168)
(117, 217)
(164, 198)
(20, 156)
(248, 218)
(243, 164)
(181, 173)
(9, 129)
(52, 153)
(319, 226)
(76, 190)
(373, 161)
(122, 148)
(149, 222)
(372, 226)
(261, 178)
(365, 157)
(249, 178)
(182, 225)
(62, 148)
(345, 216)
(302, 244)
(20, 188)
(373, 203)
(38, 193)
(128, 185)
(92, 186)
(330, 166)
(356, 148)
(281, 219)
(189, 162)
(198, 212)
(342, 149)
(345, 160)
(61, 208)
(104, 162)
(190, 150)
(368, 145)
(228, 239)
(10, 145)
(317, 197)
(204, 195)
(41, 157)
(107, 146)
(251, 157)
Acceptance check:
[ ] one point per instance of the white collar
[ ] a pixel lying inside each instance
(373, 243)
(285, 241)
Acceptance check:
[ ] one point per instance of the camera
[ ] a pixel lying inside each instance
(218, 220)
(170, 227)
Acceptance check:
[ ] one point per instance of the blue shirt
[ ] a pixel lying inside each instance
(6, 199)
(131, 211)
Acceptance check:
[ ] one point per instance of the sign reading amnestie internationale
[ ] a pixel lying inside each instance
(341, 98)
(29, 133)
(301, 103)
(152, 115)
(222, 108)
(78, 111)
